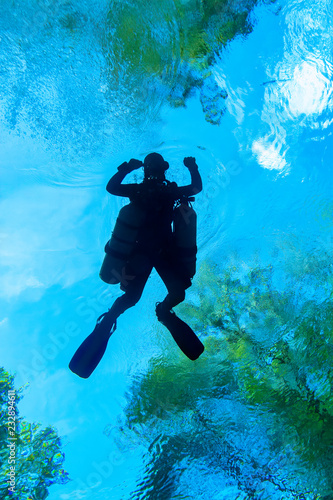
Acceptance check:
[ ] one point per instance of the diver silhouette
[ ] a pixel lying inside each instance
(156, 230)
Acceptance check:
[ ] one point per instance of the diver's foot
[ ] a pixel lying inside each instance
(182, 333)
(105, 325)
(163, 312)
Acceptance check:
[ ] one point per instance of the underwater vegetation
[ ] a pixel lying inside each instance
(253, 417)
(38, 452)
(80, 70)
(170, 48)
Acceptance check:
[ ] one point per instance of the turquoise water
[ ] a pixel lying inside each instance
(247, 90)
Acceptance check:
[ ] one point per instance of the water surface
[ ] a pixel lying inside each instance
(247, 90)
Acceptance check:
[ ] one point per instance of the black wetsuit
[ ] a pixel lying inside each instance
(154, 246)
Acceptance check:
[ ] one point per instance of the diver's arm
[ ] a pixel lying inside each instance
(115, 186)
(196, 183)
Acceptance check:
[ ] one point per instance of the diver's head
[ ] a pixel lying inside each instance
(154, 166)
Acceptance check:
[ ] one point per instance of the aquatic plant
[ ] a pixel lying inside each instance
(254, 415)
(110, 64)
(170, 48)
(37, 455)
(77, 71)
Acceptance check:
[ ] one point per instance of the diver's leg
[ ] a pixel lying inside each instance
(92, 349)
(175, 282)
(182, 333)
(133, 290)
(131, 296)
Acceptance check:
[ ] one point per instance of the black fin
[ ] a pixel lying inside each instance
(92, 349)
(183, 335)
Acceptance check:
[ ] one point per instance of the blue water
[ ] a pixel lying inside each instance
(253, 417)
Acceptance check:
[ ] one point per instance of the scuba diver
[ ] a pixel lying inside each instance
(157, 229)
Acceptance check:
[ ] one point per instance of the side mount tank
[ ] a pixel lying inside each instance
(185, 236)
(121, 244)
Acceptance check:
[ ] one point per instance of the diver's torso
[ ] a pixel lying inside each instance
(157, 200)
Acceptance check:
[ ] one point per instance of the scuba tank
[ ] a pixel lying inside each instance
(123, 239)
(185, 236)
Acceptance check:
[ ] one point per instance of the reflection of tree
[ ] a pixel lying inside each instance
(39, 457)
(255, 412)
(78, 71)
(170, 47)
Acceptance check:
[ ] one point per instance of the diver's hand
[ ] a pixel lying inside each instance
(134, 164)
(128, 167)
(190, 162)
